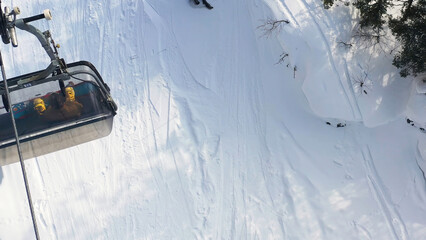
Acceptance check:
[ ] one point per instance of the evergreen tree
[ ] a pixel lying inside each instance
(410, 31)
(372, 13)
(328, 3)
(408, 26)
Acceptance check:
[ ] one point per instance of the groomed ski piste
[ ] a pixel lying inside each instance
(214, 140)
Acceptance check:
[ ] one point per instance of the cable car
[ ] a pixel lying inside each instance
(59, 107)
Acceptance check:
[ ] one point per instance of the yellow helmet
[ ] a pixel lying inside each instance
(69, 94)
(39, 105)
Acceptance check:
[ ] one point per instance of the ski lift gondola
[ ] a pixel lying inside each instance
(38, 135)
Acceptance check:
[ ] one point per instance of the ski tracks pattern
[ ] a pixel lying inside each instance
(394, 222)
(329, 53)
(420, 179)
(348, 96)
(194, 177)
(42, 207)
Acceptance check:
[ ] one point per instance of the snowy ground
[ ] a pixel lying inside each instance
(213, 140)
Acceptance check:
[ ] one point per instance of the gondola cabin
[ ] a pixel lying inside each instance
(61, 110)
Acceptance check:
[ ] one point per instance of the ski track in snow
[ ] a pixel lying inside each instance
(348, 78)
(302, 191)
(205, 188)
(395, 224)
(43, 207)
(363, 231)
(329, 53)
(345, 65)
(287, 11)
(186, 113)
(420, 182)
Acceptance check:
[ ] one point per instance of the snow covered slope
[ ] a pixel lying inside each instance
(213, 140)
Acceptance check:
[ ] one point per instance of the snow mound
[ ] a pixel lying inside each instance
(341, 81)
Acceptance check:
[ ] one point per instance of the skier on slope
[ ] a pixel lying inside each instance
(205, 3)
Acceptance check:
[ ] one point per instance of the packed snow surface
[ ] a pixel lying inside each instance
(214, 139)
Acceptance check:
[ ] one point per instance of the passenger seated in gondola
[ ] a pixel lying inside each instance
(59, 109)
(71, 108)
(49, 114)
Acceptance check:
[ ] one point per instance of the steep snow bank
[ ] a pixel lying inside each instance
(421, 85)
(355, 82)
(422, 149)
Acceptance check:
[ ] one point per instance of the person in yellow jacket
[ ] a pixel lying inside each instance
(71, 108)
(58, 110)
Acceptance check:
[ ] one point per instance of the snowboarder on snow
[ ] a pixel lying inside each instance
(205, 3)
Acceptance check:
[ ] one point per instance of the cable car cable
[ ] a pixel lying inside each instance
(18, 146)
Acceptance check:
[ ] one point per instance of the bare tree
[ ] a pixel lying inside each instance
(270, 26)
(378, 40)
(361, 83)
(368, 36)
(283, 56)
(346, 45)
